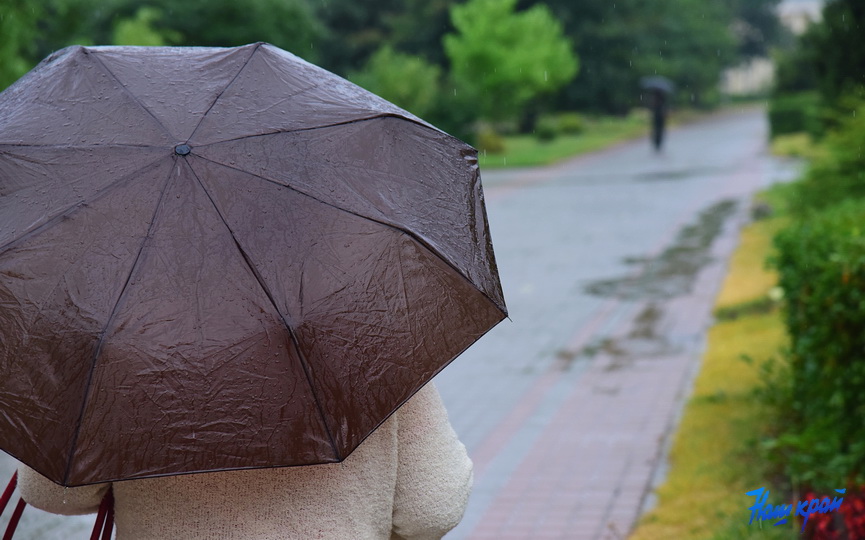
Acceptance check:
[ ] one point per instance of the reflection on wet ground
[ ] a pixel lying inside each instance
(682, 174)
(643, 341)
(672, 272)
(654, 281)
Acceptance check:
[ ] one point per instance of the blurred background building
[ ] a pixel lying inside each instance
(756, 75)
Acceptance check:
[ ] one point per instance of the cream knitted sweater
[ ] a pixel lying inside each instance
(410, 480)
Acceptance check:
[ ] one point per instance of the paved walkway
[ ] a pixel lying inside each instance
(610, 265)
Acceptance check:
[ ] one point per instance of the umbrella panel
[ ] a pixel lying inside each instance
(72, 99)
(39, 184)
(387, 170)
(195, 377)
(53, 310)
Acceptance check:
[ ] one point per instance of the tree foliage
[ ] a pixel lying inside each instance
(140, 30)
(405, 80)
(505, 58)
(17, 45)
(689, 41)
(838, 45)
(502, 58)
(290, 24)
(356, 29)
(756, 26)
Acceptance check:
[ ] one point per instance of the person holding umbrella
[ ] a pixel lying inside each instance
(409, 480)
(659, 89)
(227, 279)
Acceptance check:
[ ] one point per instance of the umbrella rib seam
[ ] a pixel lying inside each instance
(130, 94)
(410, 234)
(303, 361)
(227, 86)
(108, 322)
(76, 146)
(69, 210)
(375, 116)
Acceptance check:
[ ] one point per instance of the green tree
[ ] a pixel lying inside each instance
(356, 29)
(290, 24)
(139, 30)
(838, 45)
(619, 42)
(756, 26)
(418, 28)
(405, 80)
(690, 42)
(502, 58)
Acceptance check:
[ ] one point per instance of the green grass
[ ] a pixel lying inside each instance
(798, 145)
(751, 280)
(528, 151)
(599, 133)
(713, 460)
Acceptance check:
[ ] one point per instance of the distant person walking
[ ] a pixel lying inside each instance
(659, 89)
(658, 106)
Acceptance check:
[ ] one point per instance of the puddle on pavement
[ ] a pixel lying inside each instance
(642, 341)
(670, 274)
(673, 272)
(645, 325)
(682, 174)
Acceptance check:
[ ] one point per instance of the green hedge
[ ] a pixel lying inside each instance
(839, 174)
(794, 113)
(821, 262)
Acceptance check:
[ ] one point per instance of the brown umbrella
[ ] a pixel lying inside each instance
(215, 259)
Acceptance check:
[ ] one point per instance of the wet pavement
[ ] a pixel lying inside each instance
(610, 265)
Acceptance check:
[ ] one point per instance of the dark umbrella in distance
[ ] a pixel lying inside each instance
(216, 259)
(657, 83)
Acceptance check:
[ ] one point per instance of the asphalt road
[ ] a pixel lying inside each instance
(610, 263)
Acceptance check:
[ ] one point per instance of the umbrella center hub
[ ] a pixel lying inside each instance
(182, 149)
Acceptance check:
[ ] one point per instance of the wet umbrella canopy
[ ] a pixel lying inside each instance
(214, 259)
(658, 83)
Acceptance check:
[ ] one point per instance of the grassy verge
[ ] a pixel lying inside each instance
(797, 145)
(713, 462)
(527, 150)
(599, 133)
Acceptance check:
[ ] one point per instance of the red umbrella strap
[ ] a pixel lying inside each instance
(109, 515)
(104, 518)
(13, 521)
(4, 500)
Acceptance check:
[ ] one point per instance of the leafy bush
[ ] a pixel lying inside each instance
(405, 80)
(546, 128)
(549, 127)
(798, 145)
(487, 139)
(821, 263)
(839, 173)
(794, 113)
(570, 123)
